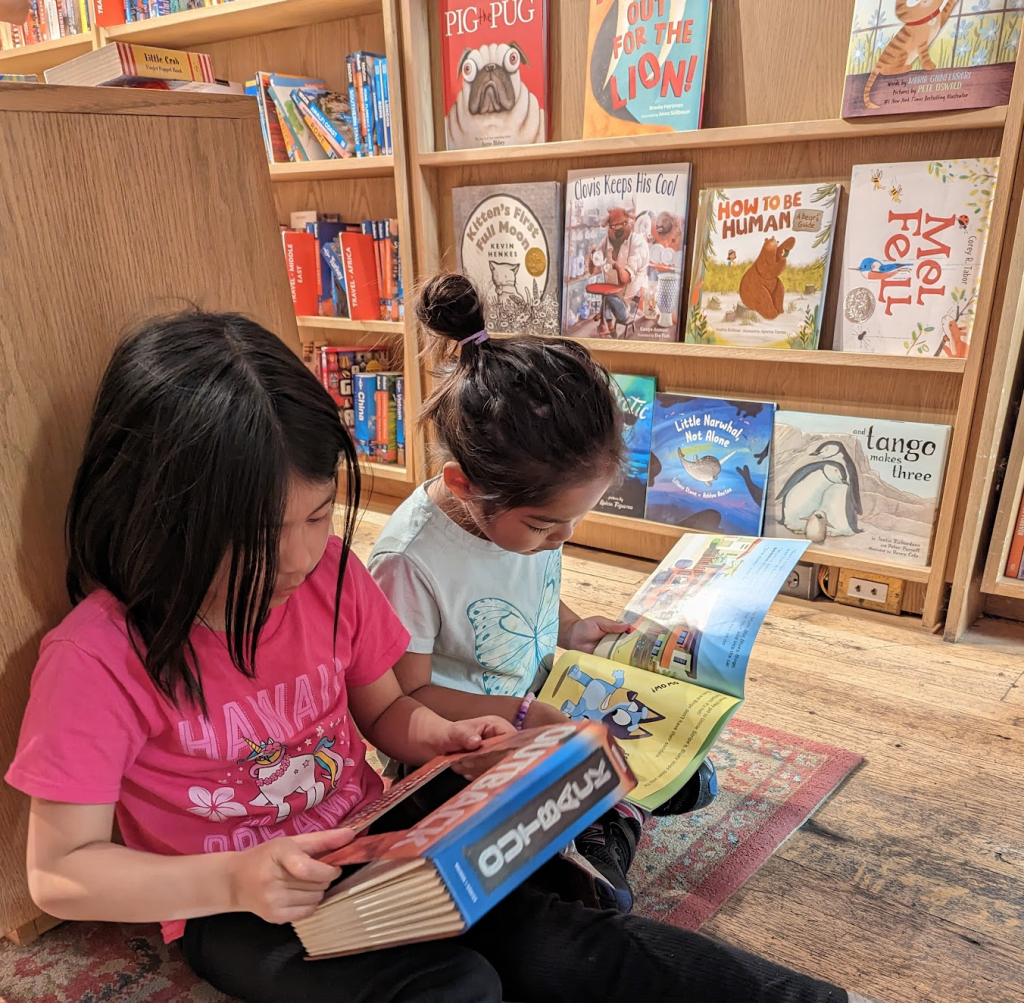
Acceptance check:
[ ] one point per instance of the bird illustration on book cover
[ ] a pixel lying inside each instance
(645, 66)
(930, 55)
(915, 246)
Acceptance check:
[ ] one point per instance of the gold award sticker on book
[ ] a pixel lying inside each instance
(536, 261)
(859, 304)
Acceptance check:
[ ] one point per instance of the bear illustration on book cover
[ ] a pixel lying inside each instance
(494, 69)
(930, 55)
(508, 241)
(760, 265)
(645, 66)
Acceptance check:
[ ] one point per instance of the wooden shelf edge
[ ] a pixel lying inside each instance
(333, 170)
(237, 19)
(42, 56)
(385, 471)
(814, 555)
(1011, 588)
(729, 136)
(351, 326)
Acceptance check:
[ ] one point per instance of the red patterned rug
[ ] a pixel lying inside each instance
(686, 867)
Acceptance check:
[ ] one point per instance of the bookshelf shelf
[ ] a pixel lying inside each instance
(821, 130)
(238, 19)
(41, 56)
(384, 471)
(336, 170)
(394, 330)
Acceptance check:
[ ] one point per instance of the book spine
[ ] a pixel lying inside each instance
(385, 440)
(350, 69)
(339, 287)
(327, 128)
(371, 227)
(365, 107)
(400, 420)
(303, 270)
(302, 107)
(386, 84)
(1013, 561)
(376, 103)
(364, 396)
(360, 276)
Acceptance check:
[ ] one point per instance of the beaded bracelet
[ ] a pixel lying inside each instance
(520, 718)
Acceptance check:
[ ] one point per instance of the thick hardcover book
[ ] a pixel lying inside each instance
(533, 793)
(122, 65)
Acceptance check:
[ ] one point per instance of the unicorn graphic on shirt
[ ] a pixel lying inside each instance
(278, 775)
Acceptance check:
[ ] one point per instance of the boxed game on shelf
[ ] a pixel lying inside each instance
(930, 55)
(625, 241)
(861, 486)
(915, 247)
(645, 67)
(508, 241)
(760, 265)
(494, 72)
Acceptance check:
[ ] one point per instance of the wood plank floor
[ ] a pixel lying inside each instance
(908, 884)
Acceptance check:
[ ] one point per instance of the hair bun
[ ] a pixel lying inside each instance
(450, 306)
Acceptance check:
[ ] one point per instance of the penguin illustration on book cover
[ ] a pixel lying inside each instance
(825, 487)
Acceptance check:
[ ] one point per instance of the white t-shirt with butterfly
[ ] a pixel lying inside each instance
(487, 616)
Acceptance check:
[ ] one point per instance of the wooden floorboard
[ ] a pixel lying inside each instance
(907, 884)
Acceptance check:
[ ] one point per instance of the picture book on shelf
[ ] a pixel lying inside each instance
(761, 265)
(856, 485)
(508, 241)
(494, 71)
(534, 792)
(930, 55)
(645, 66)
(915, 245)
(666, 689)
(628, 495)
(709, 463)
(625, 242)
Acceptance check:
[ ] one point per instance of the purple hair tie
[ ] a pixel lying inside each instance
(477, 339)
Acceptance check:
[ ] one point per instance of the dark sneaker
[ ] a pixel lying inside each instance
(609, 845)
(698, 792)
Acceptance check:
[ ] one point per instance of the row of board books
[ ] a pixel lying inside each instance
(859, 486)
(304, 120)
(110, 13)
(339, 269)
(642, 713)
(911, 263)
(48, 20)
(646, 64)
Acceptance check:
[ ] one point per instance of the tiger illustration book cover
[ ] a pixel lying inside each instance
(761, 265)
(913, 258)
(508, 241)
(930, 55)
(709, 463)
(646, 61)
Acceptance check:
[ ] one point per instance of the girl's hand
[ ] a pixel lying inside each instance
(465, 736)
(542, 715)
(280, 881)
(584, 635)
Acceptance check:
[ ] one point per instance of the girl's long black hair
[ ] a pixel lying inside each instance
(200, 421)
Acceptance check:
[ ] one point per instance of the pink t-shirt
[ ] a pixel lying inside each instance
(273, 756)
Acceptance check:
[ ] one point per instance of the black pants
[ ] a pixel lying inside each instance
(535, 946)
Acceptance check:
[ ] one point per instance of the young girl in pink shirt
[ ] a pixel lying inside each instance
(209, 689)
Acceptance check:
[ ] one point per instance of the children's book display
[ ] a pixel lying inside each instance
(760, 265)
(915, 245)
(857, 485)
(534, 792)
(628, 495)
(666, 689)
(645, 66)
(625, 241)
(709, 463)
(508, 241)
(494, 69)
(930, 55)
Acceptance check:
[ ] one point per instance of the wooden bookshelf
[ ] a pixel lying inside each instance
(769, 120)
(356, 328)
(43, 55)
(334, 170)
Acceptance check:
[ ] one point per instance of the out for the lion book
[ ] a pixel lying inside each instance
(761, 265)
(915, 247)
(667, 689)
(533, 793)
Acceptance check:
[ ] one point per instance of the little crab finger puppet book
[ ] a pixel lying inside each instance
(534, 792)
(667, 688)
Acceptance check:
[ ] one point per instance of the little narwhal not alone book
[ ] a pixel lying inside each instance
(508, 241)
(760, 265)
(856, 485)
(915, 245)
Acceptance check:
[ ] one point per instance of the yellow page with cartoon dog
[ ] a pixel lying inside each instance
(667, 689)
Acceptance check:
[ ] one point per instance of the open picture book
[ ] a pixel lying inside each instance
(667, 689)
(533, 793)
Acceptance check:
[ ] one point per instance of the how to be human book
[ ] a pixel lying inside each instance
(533, 793)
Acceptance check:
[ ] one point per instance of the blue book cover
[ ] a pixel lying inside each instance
(339, 287)
(636, 399)
(364, 390)
(709, 463)
(325, 233)
(386, 83)
(400, 418)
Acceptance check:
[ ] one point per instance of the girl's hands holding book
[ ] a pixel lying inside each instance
(280, 881)
(585, 635)
(465, 736)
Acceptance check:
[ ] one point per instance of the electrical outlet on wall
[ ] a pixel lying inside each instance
(802, 582)
(870, 591)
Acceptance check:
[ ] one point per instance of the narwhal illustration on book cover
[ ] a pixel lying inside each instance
(709, 463)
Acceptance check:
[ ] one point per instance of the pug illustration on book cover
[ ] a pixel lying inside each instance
(495, 72)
